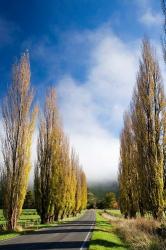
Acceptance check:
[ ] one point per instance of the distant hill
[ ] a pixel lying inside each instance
(101, 188)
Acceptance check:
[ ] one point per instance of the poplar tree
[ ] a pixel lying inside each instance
(18, 124)
(148, 113)
(49, 125)
(163, 4)
(78, 195)
(148, 128)
(65, 177)
(58, 174)
(128, 177)
(83, 190)
(73, 181)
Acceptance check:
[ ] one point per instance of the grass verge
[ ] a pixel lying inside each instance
(8, 235)
(104, 236)
(114, 212)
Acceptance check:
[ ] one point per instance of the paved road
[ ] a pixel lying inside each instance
(73, 235)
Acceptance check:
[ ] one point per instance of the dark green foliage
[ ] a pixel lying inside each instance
(110, 200)
(99, 189)
(29, 202)
(92, 200)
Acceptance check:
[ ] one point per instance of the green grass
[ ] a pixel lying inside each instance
(29, 219)
(104, 236)
(114, 212)
(28, 216)
(7, 235)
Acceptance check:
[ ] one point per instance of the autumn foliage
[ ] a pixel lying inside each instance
(142, 152)
(60, 186)
(18, 123)
(60, 183)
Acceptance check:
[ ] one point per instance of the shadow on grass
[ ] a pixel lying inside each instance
(3, 233)
(102, 230)
(105, 243)
(104, 223)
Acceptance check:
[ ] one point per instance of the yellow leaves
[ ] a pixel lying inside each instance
(57, 166)
(143, 140)
(19, 124)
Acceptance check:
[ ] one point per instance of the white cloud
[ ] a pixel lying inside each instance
(92, 111)
(98, 155)
(150, 18)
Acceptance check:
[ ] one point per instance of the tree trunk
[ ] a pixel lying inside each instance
(132, 214)
(12, 223)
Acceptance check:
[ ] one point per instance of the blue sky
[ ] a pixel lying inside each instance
(89, 50)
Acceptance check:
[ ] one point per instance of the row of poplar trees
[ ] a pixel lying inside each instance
(142, 170)
(59, 182)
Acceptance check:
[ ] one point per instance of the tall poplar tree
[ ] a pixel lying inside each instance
(18, 123)
(163, 4)
(147, 129)
(49, 128)
(148, 113)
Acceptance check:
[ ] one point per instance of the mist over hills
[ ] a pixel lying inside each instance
(100, 188)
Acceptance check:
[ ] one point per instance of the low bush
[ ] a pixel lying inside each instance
(141, 233)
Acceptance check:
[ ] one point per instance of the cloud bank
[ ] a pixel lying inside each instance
(92, 110)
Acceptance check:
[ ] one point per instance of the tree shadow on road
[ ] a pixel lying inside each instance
(62, 230)
(60, 245)
(44, 245)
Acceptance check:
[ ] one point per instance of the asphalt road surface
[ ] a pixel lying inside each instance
(72, 235)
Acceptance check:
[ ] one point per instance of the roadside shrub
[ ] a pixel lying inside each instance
(140, 233)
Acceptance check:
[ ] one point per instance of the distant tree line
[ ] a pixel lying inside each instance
(108, 201)
(100, 188)
(60, 186)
